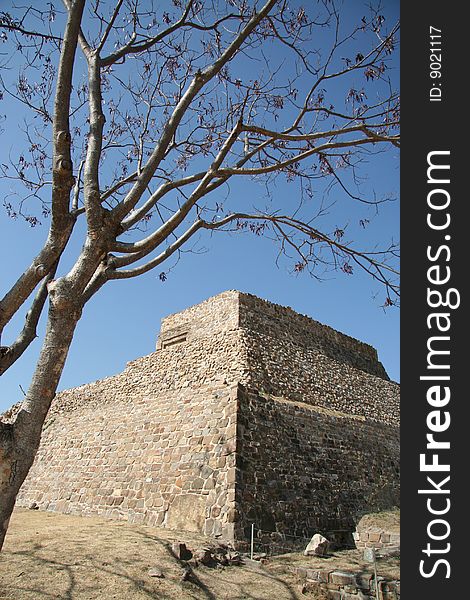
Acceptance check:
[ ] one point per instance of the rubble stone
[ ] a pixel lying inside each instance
(318, 546)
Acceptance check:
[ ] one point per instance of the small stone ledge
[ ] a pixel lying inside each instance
(384, 536)
(376, 539)
(347, 585)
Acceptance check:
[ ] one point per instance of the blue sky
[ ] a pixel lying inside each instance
(122, 322)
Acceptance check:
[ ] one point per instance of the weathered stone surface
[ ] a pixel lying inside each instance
(346, 585)
(181, 551)
(204, 556)
(342, 578)
(318, 546)
(306, 455)
(186, 512)
(154, 572)
(385, 537)
(247, 412)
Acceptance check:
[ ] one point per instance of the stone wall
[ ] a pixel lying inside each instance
(347, 585)
(246, 413)
(291, 355)
(154, 444)
(303, 469)
(280, 367)
(379, 532)
(217, 314)
(166, 460)
(283, 323)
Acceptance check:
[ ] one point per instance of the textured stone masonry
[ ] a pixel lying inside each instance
(347, 585)
(304, 469)
(384, 537)
(246, 412)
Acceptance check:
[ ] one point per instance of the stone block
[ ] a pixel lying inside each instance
(315, 575)
(186, 512)
(310, 587)
(324, 576)
(331, 586)
(342, 578)
(181, 551)
(318, 546)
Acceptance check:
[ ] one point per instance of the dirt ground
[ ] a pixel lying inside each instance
(54, 556)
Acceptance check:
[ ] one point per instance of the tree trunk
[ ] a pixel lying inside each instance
(19, 440)
(15, 463)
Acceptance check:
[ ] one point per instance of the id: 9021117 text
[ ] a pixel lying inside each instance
(435, 64)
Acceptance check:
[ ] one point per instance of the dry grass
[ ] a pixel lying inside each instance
(54, 556)
(388, 520)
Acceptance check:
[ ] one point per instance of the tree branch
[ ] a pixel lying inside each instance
(62, 180)
(199, 81)
(91, 185)
(367, 261)
(166, 187)
(109, 26)
(84, 45)
(156, 238)
(303, 155)
(14, 26)
(9, 355)
(131, 48)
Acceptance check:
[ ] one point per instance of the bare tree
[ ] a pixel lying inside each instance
(142, 117)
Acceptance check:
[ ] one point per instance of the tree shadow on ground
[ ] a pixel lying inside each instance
(76, 572)
(71, 569)
(210, 595)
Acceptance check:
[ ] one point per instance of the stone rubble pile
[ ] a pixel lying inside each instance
(210, 555)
